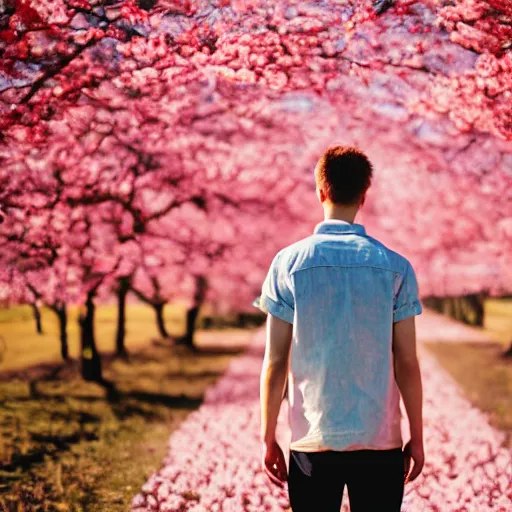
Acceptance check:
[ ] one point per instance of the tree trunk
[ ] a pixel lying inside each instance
(90, 359)
(445, 306)
(122, 292)
(62, 314)
(63, 327)
(193, 312)
(438, 304)
(241, 320)
(457, 309)
(188, 338)
(37, 317)
(159, 312)
(476, 304)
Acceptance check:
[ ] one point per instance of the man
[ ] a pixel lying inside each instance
(341, 330)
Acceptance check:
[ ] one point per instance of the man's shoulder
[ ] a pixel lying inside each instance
(374, 252)
(396, 261)
(289, 255)
(295, 248)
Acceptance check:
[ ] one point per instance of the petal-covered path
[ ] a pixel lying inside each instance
(213, 460)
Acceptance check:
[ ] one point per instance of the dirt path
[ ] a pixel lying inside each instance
(213, 460)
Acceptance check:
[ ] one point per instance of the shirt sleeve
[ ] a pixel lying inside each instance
(407, 301)
(276, 295)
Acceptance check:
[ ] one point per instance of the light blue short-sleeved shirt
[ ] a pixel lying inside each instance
(342, 290)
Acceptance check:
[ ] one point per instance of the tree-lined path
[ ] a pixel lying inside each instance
(161, 151)
(213, 460)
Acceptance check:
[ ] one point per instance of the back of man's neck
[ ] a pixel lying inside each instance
(336, 212)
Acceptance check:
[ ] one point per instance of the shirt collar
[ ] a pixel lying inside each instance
(339, 227)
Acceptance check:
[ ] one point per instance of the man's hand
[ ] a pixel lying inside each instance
(272, 384)
(413, 451)
(274, 463)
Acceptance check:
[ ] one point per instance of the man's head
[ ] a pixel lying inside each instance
(343, 175)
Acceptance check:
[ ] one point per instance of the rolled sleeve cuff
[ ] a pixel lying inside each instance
(414, 308)
(280, 310)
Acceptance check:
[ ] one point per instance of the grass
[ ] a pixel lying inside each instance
(498, 319)
(22, 347)
(479, 368)
(74, 446)
(484, 375)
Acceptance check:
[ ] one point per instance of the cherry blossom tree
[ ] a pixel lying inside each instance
(141, 141)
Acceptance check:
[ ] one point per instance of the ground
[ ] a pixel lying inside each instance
(479, 367)
(213, 465)
(498, 319)
(16, 324)
(70, 445)
(485, 376)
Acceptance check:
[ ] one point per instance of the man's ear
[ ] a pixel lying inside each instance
(320, 194)
(363, 199)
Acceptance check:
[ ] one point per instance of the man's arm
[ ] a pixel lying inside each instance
(273, 374)
(408, 378)
(273, 378)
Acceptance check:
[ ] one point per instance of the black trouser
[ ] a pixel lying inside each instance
(374, 478)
